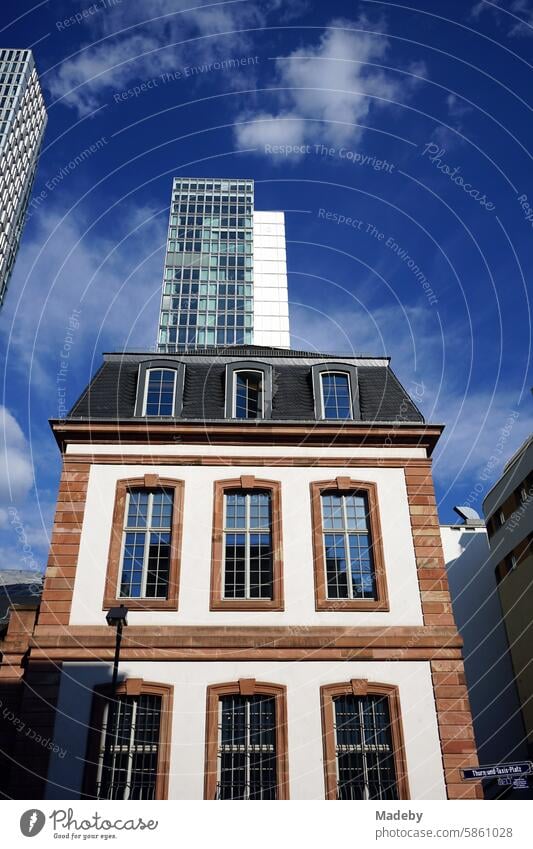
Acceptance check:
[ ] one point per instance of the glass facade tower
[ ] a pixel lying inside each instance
(210, 292)
(22, 125)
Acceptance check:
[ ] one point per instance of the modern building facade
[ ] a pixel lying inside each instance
(498, 725)
(225, 277)
(22, 125)
(508, 510)
(268, 518)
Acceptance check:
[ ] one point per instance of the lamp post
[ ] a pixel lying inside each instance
(117, 617)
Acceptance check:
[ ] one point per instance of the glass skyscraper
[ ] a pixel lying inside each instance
(225, 278)
(22, 124)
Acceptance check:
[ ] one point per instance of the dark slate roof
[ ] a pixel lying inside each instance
(112, 392)
(18, 587)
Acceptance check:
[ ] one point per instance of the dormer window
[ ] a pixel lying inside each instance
(248, 395)
(336, 395)
(336, 391)
(160, 388)
(160, 392)
(248, 390)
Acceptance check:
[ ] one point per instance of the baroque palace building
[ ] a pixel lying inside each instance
(268, 518)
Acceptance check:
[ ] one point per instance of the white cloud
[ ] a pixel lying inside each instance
(136, 41)
(333, 82)
(517, 18)
(16, 473)
(115, 283)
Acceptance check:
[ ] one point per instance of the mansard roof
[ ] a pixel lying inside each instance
(111, 394)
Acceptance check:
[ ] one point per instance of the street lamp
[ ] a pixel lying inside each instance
(117, 617)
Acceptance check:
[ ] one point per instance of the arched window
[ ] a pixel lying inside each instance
(160, 388)
(248, 395)
(248, 390)
(336, 391)
(336, 395)
(160, 392)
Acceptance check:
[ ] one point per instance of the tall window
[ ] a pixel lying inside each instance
(247, 747)
(248, 395)
(247, 553)
(146, 544)
(129, 748)
(160, 392)
(363, 748)
(246, 743)
(364, 752)
(336, 397)
(347, 546)
(247, 545)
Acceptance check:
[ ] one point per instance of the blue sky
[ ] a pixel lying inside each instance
(396, 138)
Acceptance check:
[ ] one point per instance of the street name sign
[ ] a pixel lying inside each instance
(510, 770)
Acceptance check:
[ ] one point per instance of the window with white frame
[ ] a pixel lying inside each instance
(146, 551)
(347, 546)
(247, 757)
(160, 392)
(248, 552)
(364, 748)
(336, 395)
(128, 752)
(248, 395)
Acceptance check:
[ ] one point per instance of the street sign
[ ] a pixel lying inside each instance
(505, 782)
(511, 770)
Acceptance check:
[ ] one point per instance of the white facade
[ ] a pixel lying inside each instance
(271, 303)
(404, 597)
(305, 753)
(22, 125)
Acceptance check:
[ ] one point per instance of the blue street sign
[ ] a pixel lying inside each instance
(510, 770)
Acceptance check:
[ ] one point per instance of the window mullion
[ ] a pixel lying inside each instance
(247, 500)
(363, 749)
(147, 538)
(347, 548)
(129, 770)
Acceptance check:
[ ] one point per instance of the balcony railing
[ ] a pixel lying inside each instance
(233, 790)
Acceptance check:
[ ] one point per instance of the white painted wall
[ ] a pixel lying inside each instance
(271, 305)
(398, 549)
(302, 680)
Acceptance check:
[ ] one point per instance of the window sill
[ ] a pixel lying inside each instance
(247, 604)
(353, 605)
(146, 604)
